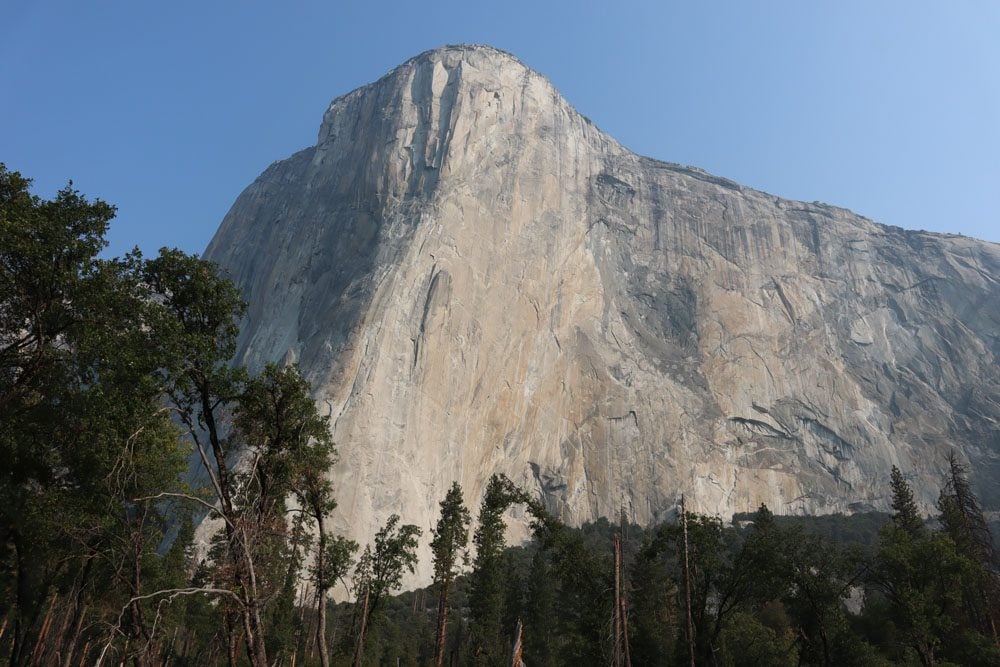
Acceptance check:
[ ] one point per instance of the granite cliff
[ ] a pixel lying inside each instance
(477, 279)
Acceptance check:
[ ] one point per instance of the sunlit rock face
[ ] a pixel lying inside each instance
(476, 279)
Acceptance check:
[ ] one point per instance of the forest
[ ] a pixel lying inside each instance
(115, 376)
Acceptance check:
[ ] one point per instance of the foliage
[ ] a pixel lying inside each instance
(84, 438)
(116, 373)
(487, 593)
(905, 514)
(451, 537)
(380, 568)
(339, 559)
(96, 357)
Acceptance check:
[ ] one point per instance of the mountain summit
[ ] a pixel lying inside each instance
(476, 279)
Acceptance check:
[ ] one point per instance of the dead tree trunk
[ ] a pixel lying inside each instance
(324, 653)
(687, 584)
(623, 533)
(359, 648)
(516, 659)
(616, 615)
(39, 651)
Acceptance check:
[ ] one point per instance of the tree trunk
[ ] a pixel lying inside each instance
(59, 637)
(168, 650)
(515, 660)
(624, 615)
(625, 647)
(359, 648)
(616, 644)
(81, 610)
(232, 640)
(39, 650)
(622, 601)
(456, 651)
(324, 652)
(242, 560)
(440, 635)
(139, 631)
(24, 616)
(687, 584)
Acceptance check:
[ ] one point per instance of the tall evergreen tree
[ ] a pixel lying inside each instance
(962, 515)
(964, 521)
(540, 612)
(657, 615)
(486, 595)
(905, 515)
(922, 574)
(451, 536)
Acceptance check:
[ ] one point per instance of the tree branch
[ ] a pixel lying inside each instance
(196, 499)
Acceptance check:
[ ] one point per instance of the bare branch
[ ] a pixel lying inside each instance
(195, 499)
(170, 593)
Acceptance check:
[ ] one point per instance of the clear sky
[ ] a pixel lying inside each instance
(170, 109)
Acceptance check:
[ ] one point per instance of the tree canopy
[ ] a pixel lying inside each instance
(125, 424)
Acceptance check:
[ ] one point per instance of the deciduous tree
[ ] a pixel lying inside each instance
(380, 571)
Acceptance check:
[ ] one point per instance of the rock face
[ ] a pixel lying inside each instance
(476, 279)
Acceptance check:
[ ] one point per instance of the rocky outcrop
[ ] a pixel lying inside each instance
(477, 279)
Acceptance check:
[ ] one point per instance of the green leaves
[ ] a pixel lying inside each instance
(380, 568)
(50, 281)
(200, 318)
(338, 561)
(277, 422)
(905, 516)
(451, 536)
(102, 361)
(84, 435)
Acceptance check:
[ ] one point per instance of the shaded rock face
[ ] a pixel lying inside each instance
(476, 279)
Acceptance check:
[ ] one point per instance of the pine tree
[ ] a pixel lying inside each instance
(963, 520)
(540, 612)
(486, 596)
(451, 536)
(921, 575)
(962, 515)
(905, 515)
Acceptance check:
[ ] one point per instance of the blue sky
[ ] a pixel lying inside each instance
(170, 109)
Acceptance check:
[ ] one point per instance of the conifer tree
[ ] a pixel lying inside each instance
(486, 597)
(451, 536)
(540, 612)
(962, 516)
(905, 515)
(921, 575)
(964, 521)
